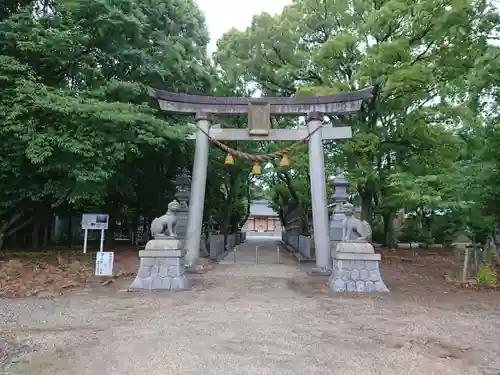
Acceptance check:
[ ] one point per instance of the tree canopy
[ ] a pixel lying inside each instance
(417, 144)
(79, 131)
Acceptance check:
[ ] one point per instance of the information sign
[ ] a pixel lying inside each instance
(94, 222)
(104, 263)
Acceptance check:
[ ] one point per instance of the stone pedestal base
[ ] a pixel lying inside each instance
(320, 272)
(195, 269)
(356, 270)
(162, 267)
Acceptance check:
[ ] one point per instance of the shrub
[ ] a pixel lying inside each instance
(486, 276)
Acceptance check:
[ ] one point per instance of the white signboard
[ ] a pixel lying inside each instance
(95, 221)
(104, 263)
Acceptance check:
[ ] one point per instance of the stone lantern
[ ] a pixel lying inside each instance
(183, 187)
(339, 184)
(339, 197)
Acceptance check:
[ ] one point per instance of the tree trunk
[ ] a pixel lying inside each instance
(46, 233)
(367, 205)
(249, 202)
(69, 230)
(496, 239)
(35, 234)
(285, 177)
(282, 217)
(226, 223)
(14, 240)
(9, 227)
(389, 240)
(134, 229)
(423, 224)
(110, 233)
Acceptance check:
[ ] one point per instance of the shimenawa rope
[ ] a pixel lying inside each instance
(257, 158)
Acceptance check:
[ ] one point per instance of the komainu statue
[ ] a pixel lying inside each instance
(165, 225)
(354, 229)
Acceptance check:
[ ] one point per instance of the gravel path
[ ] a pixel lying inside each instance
(246, 319)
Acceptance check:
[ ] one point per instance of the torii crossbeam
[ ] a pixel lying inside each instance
(259, 113)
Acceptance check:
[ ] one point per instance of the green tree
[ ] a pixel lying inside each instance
(415, 55)
(78, 129)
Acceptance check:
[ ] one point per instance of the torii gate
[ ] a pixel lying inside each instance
(259, 112)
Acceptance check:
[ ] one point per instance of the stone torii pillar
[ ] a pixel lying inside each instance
(198, 184)
(318, 193)
(259, 112)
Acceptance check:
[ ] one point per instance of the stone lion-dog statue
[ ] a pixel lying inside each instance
(165, 225)
(354, 229)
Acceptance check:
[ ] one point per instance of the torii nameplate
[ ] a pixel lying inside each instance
(339, 104)
(259, 118)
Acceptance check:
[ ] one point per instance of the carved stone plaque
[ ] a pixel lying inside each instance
(259, 118)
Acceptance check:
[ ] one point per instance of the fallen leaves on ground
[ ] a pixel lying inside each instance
(423, 272)
(58, 273)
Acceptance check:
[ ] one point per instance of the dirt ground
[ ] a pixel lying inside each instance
(252, 319)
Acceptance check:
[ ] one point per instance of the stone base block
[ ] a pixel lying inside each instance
(355, 247)
(356, 272)
(164, 243)
(161, 269)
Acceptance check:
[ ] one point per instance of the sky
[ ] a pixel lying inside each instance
(222, 15)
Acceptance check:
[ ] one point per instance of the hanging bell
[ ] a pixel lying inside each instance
(256, 169)
(285, 162)
(229, 159)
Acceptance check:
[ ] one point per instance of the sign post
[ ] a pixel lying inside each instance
(101, 245)
(85, 238)
(104, 260)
